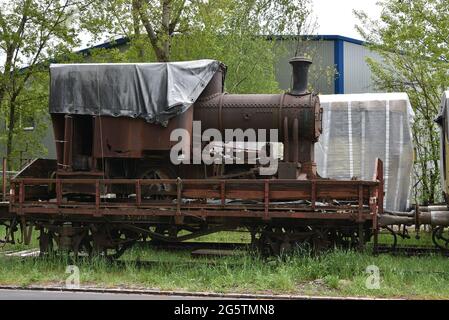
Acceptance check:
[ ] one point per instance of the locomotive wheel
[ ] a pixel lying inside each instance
(156, 191)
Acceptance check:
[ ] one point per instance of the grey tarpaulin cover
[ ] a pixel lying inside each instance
(155, 92)
(358, 128)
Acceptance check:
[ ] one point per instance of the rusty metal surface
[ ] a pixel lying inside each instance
(38, 168)
(84, 141)
(113, 178)
(267, 197)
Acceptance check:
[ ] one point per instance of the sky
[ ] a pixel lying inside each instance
(336, 17)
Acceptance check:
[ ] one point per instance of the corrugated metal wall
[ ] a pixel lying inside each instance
(357, 74)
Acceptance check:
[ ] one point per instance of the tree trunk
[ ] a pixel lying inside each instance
(160, 41)
(11, 125)
(166, 12)
(136, 27)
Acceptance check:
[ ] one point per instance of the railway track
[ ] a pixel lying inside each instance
(221, 249)
(381, 249)
(197, 245)
(411, 250)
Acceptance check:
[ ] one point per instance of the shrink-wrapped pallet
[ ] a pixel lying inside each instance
(357, 129)
(443, 122)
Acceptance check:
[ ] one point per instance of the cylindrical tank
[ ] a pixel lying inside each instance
(295, 114)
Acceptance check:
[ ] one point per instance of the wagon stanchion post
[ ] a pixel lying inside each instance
(223, 192)
(379, 177)
(360, 217)
(58, 192)
(178, 218)
(373, 209)
(138, 193)
(97, 198)
(313, 195)
(266, 199)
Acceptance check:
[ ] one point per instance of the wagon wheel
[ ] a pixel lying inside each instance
(155, 191)
(103, 240)
(345, 239)
(278, 241)
(45, 242)
(268, 245)
(320, 241)
(439, 240)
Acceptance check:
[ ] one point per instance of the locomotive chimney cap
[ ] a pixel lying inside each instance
(300, 59)
(300, 75)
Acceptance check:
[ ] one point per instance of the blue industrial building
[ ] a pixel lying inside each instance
(346, 55)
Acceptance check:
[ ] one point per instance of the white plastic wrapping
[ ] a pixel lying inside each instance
(357, 129)
(443, 122)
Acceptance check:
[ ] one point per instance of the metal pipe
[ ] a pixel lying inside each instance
(433, 218)
(300, 75)
(433, 208)
(400, 213)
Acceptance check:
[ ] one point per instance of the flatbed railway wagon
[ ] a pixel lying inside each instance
(114, 183)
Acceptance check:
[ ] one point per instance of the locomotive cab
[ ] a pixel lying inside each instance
(109, 122)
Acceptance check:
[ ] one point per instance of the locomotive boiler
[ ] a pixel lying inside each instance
(114, 182)
(114, 138)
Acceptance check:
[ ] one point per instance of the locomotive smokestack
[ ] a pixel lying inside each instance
(300, 75)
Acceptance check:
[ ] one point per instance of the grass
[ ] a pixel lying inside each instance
(336, 273)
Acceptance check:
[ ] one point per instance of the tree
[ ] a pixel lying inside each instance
(411, 37)
(232, 31)
(31, 32)
(235, 32)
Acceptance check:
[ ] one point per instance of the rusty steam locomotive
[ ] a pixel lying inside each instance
(114, 184)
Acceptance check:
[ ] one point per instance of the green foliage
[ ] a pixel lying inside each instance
(32, 120)
(232, 31)
(335, 273)
(31, 32)
(411, 37)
